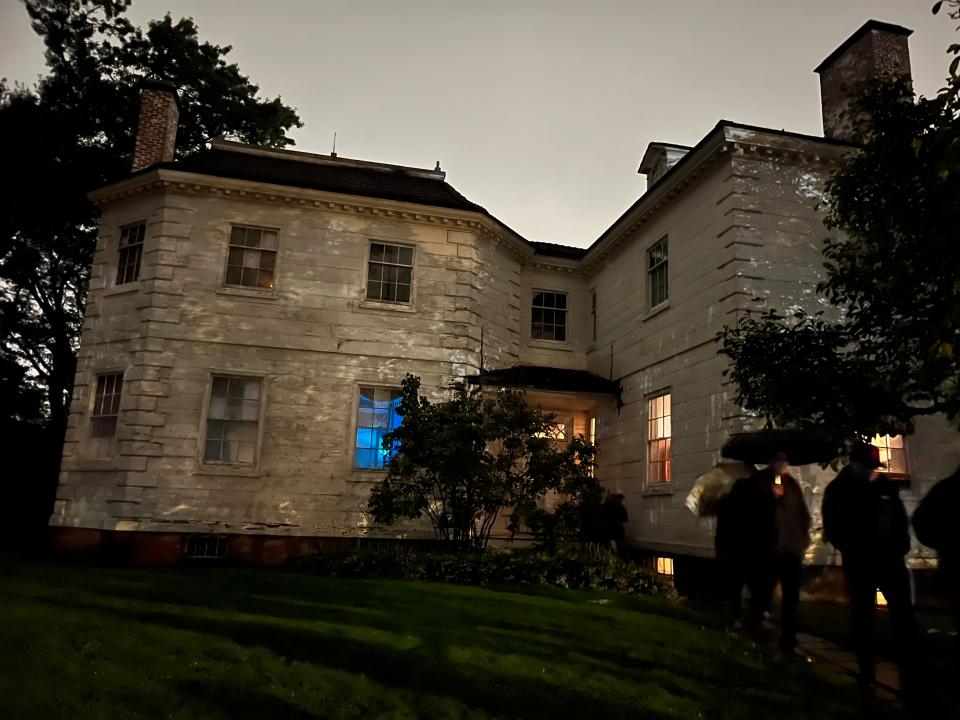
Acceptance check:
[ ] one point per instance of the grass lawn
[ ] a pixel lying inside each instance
(91, 642)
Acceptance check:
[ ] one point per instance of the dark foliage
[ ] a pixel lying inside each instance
(890, 348)
(584, 567)
(463, 462)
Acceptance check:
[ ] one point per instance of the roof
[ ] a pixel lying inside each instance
(560, 251)
(868, 26)
(547, 378)
(349, 177)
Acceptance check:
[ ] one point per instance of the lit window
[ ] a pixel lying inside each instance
(881, 600)
(658, 439)
(592, 431)
(893, 453)
(549, 316)
(252, 260)
(657, 273)
(558, 432)
(233, 420)
(130, 253)
(665, 566)
(106, 405)
(390, 273)
(593, 313)
(378, 414)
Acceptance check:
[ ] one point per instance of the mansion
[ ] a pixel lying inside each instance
(252, 312)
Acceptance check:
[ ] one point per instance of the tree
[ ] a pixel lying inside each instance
(890, 350)
(462, 463)
(74, 132)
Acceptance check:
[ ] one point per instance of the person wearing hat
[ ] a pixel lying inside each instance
(864, 518)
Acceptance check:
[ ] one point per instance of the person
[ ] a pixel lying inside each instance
(767, 534)
(614, 516)
(936, 526)
(864, 518)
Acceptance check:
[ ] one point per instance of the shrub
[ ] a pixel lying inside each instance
(581, 567)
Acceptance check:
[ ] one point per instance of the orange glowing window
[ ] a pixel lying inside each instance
(659, 435)
(665, 566)
(893, 453)
(881, 600)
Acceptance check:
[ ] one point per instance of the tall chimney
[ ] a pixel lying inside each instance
(876, 50)
(157, 127)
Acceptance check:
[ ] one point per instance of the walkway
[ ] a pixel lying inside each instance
(840, 666)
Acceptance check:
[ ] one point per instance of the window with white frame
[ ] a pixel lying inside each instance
(233, 420)
(558, 431)
(130, 252)
(549, 315)
(390, 273)
(658, 272)
(893, 454)
(106, 405)
(377, 414)
(659, 430)
(252, 257)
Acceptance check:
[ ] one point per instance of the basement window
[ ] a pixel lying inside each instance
(106, 405)
(549, 315)
(233, 420)
(205, 547)
(377, 414)
(130, 253)
(252, 259)
(665, 566)
(389, 273)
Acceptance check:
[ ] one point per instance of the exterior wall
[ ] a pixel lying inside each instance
(314, 340)
(572, 352)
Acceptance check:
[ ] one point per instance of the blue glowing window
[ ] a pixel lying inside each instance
(377, 415)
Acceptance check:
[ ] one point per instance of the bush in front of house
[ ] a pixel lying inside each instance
(578, 567)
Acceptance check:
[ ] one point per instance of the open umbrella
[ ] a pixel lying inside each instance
(802, 447)
(713, 485)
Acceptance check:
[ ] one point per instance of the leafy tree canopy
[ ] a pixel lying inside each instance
(889, 350)
(464, 462)
(74, 132)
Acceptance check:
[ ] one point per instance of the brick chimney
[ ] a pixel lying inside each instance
(876, 50)
(157, 127)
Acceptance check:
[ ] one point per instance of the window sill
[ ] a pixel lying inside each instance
(227, 471)
(389, 307)
(657, 490)
(124, 289)
(367, 475)
(656, 310)
(248, 293)
(562, 345)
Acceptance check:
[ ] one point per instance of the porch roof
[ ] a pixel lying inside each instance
(547, 378)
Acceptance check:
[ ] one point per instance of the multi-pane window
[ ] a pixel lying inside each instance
(893, 453)
(106, 405)
(593, 313)
(252, 260)
(657, 272)
(233, 419)
(389, 273)
(378, 414)
(558, 432)
(549, 315)
(130, 252)
(658, 439)
(665, 566)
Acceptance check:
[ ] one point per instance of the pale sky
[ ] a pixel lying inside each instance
(539, 110)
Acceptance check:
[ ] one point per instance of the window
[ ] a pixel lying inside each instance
(106, 405)
(252, 260)
(233, 420)
(665, 566)
(881, 600)
(549, 315)
(205, 547)
(893, 453)
(389, 273)
(559, 432)
(376, 416)
(593, 313)
(658, 439)
(131, 250)
(657, 273)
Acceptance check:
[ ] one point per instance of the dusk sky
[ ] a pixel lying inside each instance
(539, 111)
